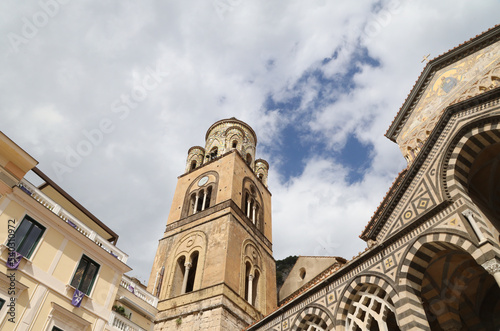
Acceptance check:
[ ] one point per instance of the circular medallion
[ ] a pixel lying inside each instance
(190, 243)
(203, 181)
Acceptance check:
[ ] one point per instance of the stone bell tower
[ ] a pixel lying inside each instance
(214, 268)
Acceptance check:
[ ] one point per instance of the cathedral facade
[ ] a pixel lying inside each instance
(433, 255)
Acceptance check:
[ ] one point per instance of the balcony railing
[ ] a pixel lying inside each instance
(79, 226)
(118, 322)
(133, 287)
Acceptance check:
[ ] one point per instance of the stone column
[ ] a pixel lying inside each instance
(470, 217)
(204, 200)
(250, 285)
(493, 268)
(187, 266)
(253, 214)
(196, 202)
(248, 207)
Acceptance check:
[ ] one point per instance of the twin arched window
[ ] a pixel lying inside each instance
(185, 274)
(252, 277)
(252, 208)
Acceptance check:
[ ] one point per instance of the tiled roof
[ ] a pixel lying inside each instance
(378, 212)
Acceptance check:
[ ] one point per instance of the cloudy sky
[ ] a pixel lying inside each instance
(109, 96)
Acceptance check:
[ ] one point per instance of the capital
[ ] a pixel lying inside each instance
(188, 265)
(492, 266)
(467, 213)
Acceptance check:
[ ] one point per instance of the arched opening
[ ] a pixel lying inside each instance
(178, 276)
(192, 202)
(484, 183)
(208, 197)
(255, 289)
(247, 204)
(455, 290)
(192, 272)
(199, 204)
(248, 269)
(312, 322)
(313, 318)
(235, 144)
(302, 273)
(193, 165)
(371, 310)
(213, 153)
(249, 159)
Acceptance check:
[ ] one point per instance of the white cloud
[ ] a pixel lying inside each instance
(220, 63)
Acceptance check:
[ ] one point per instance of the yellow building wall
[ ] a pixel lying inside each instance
(12, 211)
(48, 249)
(102, 286)
(67, 263)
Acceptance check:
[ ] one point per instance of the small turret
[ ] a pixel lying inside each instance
(196, 155)
(262, 170)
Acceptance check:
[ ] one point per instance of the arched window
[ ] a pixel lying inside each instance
(178, 276)
(213, 153)
(255, 288)
(201, 197)
(302, 274)
(235, 143)
(371, 309)
(192, 272)
(185, 274)
(208, 197)
(193, 164)
(248, 269)
(192, 204)
(249, 159)
(312, 322)
(200, 200)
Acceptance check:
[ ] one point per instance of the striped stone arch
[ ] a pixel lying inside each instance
(313, 315)
(464, 149)
(413, 266)
(350, 292)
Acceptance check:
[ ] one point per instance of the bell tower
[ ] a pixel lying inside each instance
(214, 268)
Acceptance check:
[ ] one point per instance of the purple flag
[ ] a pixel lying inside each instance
(77, 298)
(13, 260)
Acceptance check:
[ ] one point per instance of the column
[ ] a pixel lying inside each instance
(204, 200)
(250, 285)
(253, 213)
(470, 217)
(248, 207)
(196, 203)
(493, 268)
(187, 266)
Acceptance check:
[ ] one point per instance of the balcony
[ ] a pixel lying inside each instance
(118, 322)
(128, 284)
(78, 225)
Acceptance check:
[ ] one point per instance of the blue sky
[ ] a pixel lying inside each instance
(131, 86)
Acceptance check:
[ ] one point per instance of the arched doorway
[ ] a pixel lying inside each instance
(456, 292)
(483, 183)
